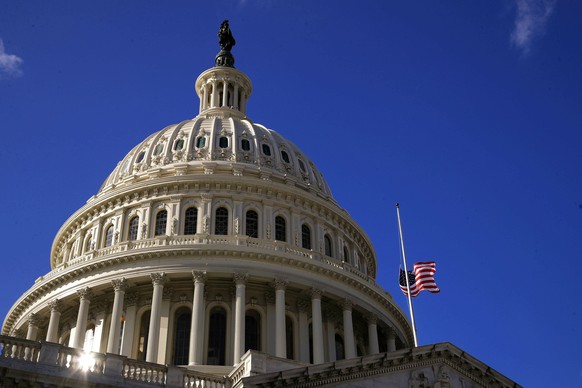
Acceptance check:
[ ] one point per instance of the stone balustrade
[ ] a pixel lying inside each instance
(22, 359)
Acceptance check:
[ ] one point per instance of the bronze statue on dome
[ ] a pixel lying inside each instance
(225, 38)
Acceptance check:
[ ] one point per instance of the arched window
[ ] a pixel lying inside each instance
(109, 236)
(328, 245)
(216, 337)
(190, 220)
(289, 338)
(339, 347)
(280, 229)
(346, 254)
(182, 336)
(221, 221)
(305, 236)
(161, 221)
(252, 330)
(252, 224)
(133, 226)
(144, 328)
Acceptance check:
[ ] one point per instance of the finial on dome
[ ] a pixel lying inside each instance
(226, 41)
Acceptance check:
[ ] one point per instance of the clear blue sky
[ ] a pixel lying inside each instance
(469, 113)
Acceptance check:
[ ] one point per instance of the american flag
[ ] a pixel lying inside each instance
(420, 278)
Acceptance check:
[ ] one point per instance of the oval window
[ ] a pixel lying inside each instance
(200, 142)
(302, 166)
(245, 145)
(223, 142)
(179, 145)
(285, 157)
(266, 150)
(140, 157)
(158, 150)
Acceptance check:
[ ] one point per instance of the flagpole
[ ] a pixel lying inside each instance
(406, 277)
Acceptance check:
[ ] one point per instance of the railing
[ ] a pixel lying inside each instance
(100, 369)
(19, 349)
(198, 380)
(145, 372)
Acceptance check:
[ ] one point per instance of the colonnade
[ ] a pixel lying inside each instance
(197, 331)
(211, 95)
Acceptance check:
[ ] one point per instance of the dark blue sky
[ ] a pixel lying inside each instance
(468, 113)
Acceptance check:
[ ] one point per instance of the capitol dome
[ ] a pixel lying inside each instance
(212, 237)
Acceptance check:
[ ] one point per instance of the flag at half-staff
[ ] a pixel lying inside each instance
(420, 278)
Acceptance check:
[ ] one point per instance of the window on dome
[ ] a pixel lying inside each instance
(88, 243)
(252, 224)
(223, 142)
(346, 254)
(161, 221)
(305, 237)
(302, 166)
(252, 330)
(216, 337)
(182, 336)
(285, 157)
(328, 245)
(159, 148)
(179, 144)
(280, 229)
(109, 236)
(200, 142)
(245, 145)
(266, 150)
(191, 220)
(133, 227)
(140, 157)
(221, 221)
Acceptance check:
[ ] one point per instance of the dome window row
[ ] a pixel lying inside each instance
(222, 224)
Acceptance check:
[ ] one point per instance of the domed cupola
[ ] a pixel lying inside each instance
(224, 89)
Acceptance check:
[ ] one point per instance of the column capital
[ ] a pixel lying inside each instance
(199, 276)
(371, 318)
(85, 294)
(167, 293)
(346, 305)
(130, 299)
(120, 284)
(56, 305)
(33, 319)
(280, 284)
(159, 278)
(270, 297)
(316, 293)
(241, 278)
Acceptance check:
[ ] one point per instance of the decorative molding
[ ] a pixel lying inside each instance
(199, 276)
(159, 278)
(120, 284)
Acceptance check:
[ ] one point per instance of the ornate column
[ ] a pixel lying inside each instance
(235, 97)
(120, 286)
(240, 279)
(52, 334)
(213, 95)
(280, 337)
(317, 326)
(224, 93)
(33, 321)
(204, 98)
(349, 343)
(373, 347)
(271, 328)
(85, 295)
(303, 308)
(158, 281)
(195, 354)
(130, 302)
